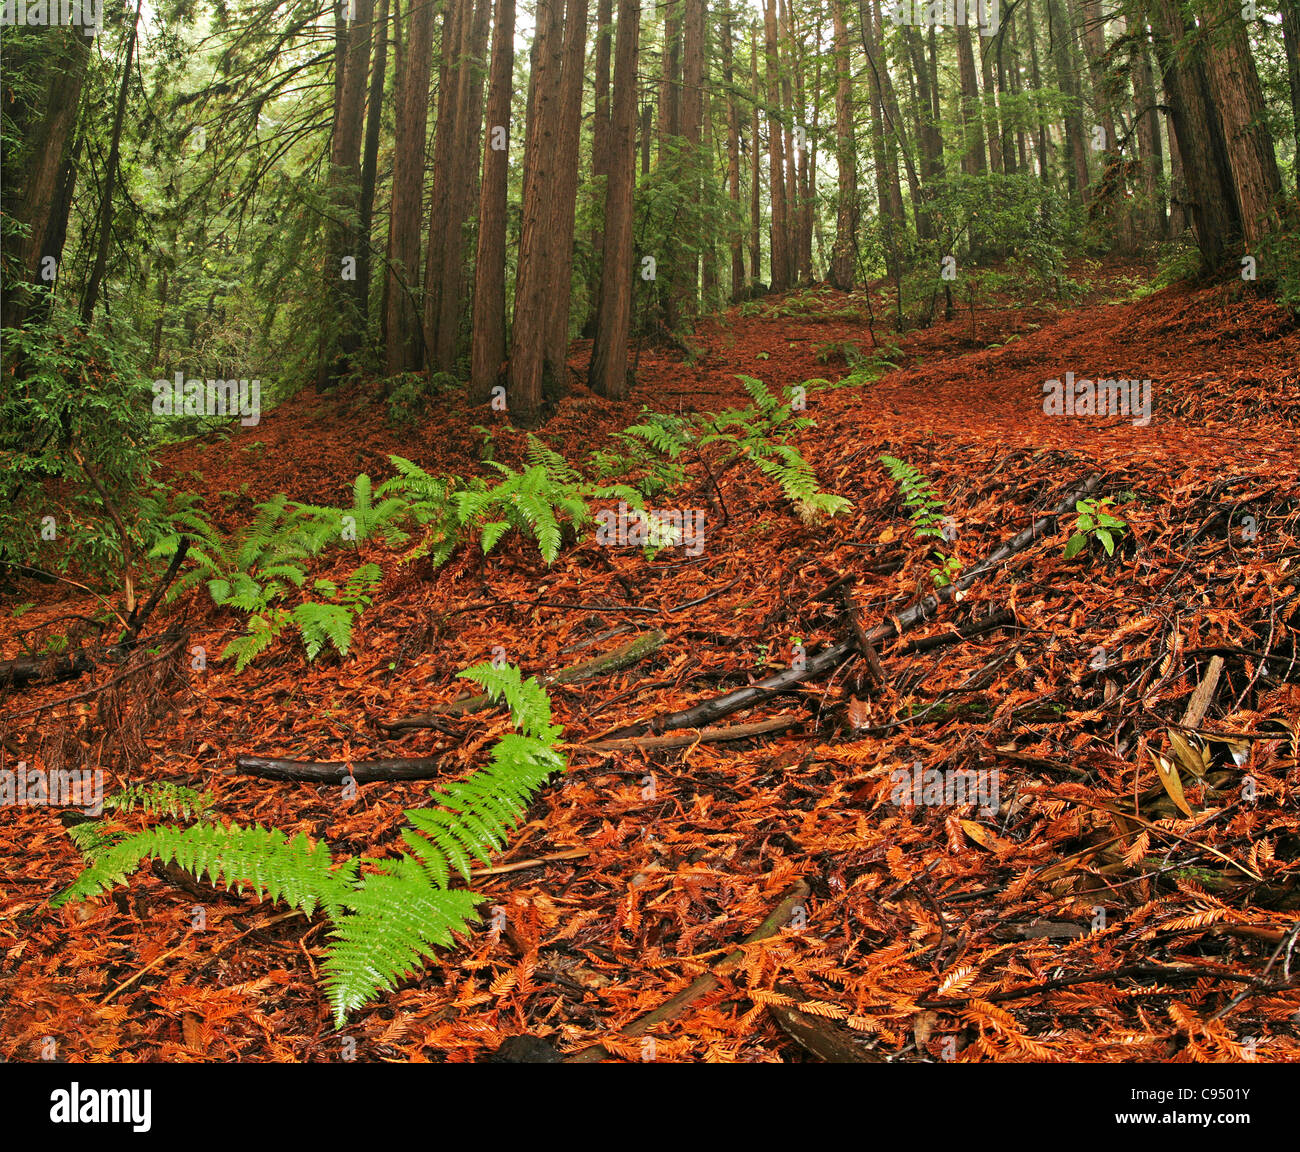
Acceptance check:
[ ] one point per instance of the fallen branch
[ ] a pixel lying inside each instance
(701, 715)
(25, 669)
(337, 771)
(817, 1036)
(702, 985)
(706, 736)
(623, 657)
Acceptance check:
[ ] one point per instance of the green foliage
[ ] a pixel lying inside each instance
(387, 916)
(757, 433)
(409, 395)
(66, 392)
(926, 512)
(159, 796)
(1094, 521)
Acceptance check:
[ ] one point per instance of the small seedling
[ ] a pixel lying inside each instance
(1094, 520)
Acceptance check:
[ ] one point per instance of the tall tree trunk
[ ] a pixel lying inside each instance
(48, 127)
(488, 350)
(1067, 80)
(346, 239)
(790, 114)
(844, 255)
(686, 269)
(1212, 204)
(535, 275)
(735, 241)
(405, 338)
(564, 197)
(1291, 48)
(608, 373)
(1036, 86)
(1147, 130)
(776, 172)
(370, 160)
(756, 167)
(599, 151)
(1234, 85)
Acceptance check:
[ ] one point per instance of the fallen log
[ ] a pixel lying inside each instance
(337, 771)
(702, 715)
(623, 657)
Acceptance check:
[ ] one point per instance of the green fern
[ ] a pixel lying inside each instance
(388, 916)
(926, 508)
(159, 796)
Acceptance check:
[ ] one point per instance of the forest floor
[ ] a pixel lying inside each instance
(1096, 915)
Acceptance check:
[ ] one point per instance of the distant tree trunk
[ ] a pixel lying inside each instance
(345, 236)
(608, 373)
(1291, 47)
(599, 150)
(844, 259)
(1036, 86)
(974, 161)
(776, 173)
(1067, 79)
(459, 115)
(1211, 198)
(736, 241)
(1016, 87)
(564, 197)
(1006, 118)
(668, 160)
(1239, 101)
(889, 193)
(370, 160)
(709, 253)
(991, 127)
(1150, 155)
(488, 352)
(756, 167)
(405, 339)
(790, 111)
(647, 124)
(90, 296)
(535, 274)
(686, 282)
(928, 131)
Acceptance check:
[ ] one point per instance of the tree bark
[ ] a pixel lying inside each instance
(780, 231)
(528, 338)
(1239, 101)
(844, 255)
(405, 338)
(564, 198)
(488, 353)
(608, 372)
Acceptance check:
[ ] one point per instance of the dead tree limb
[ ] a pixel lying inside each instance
(338, 771)
(702, 715)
